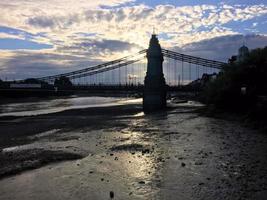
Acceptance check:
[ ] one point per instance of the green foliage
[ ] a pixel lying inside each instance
(225, 90)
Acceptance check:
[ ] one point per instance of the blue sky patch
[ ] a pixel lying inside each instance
(14, 44)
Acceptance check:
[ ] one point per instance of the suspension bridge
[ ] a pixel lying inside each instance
(129, 72)
(153, 72)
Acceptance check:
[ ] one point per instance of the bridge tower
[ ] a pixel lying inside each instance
(154, 97)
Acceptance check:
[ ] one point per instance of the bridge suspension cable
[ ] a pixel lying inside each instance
(193, 60)
(132, 59)
(90, 69)
(90, 73)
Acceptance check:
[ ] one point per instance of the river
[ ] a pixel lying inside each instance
(175, 154)
(49, 106)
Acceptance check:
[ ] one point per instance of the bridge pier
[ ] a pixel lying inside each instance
(154, 96)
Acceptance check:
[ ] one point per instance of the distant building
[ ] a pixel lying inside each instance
(201, 82)
(243, 53)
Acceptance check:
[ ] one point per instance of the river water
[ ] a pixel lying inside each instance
(178, 154)
(49, 106)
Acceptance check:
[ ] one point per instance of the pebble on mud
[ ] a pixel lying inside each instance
(142, 182)
(144, 151)
(111, 194)
(198, 163)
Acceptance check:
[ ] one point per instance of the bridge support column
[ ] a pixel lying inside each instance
(154, 96)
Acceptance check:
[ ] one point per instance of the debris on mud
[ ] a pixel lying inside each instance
(131, 148)
(142, 182)
(13, 162)
(111, 194)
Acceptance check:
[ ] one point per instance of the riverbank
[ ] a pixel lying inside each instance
(177, 154)
(255, 118)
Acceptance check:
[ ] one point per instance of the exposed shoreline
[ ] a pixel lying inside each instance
(21, 131)
(180, 148)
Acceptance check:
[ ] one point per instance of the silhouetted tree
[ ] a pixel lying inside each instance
(63, 82)
(251, 73)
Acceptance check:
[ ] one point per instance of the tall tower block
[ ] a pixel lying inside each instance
(154, 97)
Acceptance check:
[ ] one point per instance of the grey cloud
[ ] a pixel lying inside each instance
(222, 48)
(53, 21)
(42, 22)
(98, 15)
(94, 48)
(141, 15)
(120, 15)
(28, 64)
(111, 45)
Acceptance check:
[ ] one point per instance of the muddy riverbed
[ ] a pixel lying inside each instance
(95, 152)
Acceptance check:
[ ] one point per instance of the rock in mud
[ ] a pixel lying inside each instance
(111, 194)
(17, 161)
(142, 182)
(130, 147)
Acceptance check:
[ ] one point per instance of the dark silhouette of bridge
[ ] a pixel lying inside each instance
(152, 71)
(129, 75)
(179, 69)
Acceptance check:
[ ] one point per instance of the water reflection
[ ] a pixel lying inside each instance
(141, 114)
(58, 105)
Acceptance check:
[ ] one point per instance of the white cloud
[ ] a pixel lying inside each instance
(61, 20)
(11, 36)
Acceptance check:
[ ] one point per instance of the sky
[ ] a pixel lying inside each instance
(39, 38)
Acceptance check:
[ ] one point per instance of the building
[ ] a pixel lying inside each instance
(243, 53)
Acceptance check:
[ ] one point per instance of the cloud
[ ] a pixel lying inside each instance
(25, 64)
(101, 49)
(10, 36)
(41, 21)
(222, 48)
(62, 19)
(107, 45)
(83, 31)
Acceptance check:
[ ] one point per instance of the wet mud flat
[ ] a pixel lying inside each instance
(97, 152)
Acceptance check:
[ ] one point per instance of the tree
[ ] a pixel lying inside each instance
(63, 81)
(251, 73)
